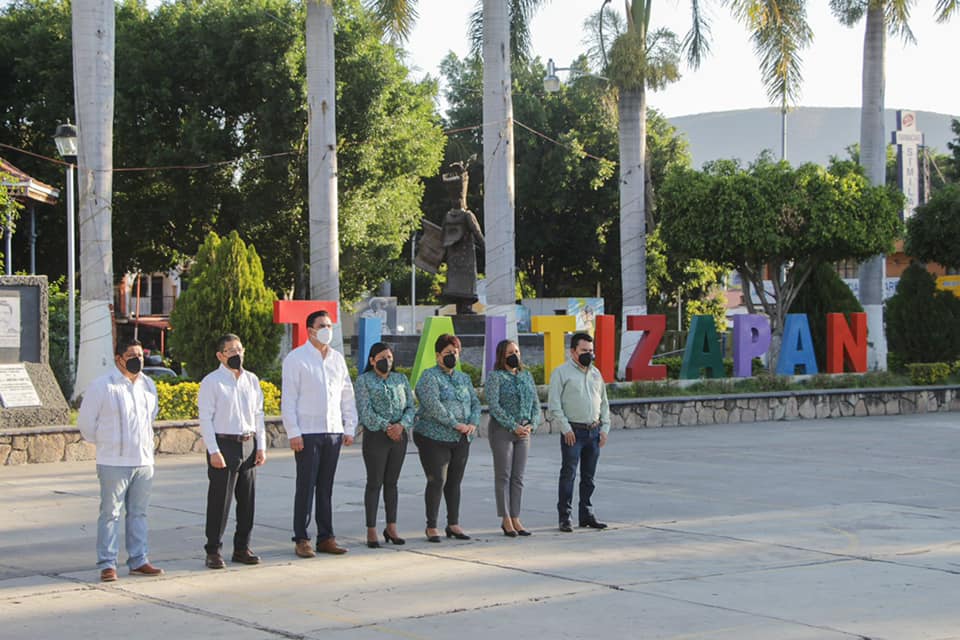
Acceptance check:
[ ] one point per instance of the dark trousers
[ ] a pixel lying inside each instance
(443, 464)
(236, 480)
(585, 452)
(383, 458)
(316, 467)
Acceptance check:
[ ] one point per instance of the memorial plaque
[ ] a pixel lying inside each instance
(16, 388)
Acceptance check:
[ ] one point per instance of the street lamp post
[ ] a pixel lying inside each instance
(66, 139)
(551, 81)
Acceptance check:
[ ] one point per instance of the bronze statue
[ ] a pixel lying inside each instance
(457, 239)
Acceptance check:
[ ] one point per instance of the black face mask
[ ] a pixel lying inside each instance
(585, 359)
(234, 362)
(449, 361)
(513, 361)
(133, 365)
(383, 366)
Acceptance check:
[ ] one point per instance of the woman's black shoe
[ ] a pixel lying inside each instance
(509, 534)
(373, 544)
(389, 538)
(431, 538)
(523, 532)
(453, 534)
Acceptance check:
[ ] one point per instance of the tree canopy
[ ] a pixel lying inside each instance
(773, 222)
(225, 114)
(933, 232)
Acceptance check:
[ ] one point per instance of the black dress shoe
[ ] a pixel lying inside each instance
(511, 533)
(394, 539)
(245, 557)
(373, 544)
(214, 561)
(593, 524)
(523, 532)
(453, 534)
(431, 538)
(566, 527)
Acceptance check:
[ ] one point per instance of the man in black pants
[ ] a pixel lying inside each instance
(231, 421)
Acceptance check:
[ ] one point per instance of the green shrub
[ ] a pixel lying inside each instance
(178, 399)
(928, 372)
(227, 294)
(475, 373)
(921, 321)
(536, 370)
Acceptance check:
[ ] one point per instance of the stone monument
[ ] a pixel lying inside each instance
(29, 393)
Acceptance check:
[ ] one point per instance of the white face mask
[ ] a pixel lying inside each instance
(324, 335)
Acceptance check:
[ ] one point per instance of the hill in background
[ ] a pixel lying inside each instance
(813, 133)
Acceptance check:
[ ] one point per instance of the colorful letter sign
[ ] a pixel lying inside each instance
(553, 329)
(702, 350)
(751, 339)
(846, 343)
(797, 348)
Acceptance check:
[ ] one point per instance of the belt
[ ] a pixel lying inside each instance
(234, 437)
(584, 425)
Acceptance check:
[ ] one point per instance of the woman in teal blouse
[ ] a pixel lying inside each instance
(443, 428)
(385, 411)
(514, 414)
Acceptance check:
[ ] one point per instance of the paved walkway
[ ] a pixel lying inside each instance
(822, 529)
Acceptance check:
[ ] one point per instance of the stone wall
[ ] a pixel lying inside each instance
(53, 444)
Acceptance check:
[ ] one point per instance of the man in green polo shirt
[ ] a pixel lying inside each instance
(578, 403)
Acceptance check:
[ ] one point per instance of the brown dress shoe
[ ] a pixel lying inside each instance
(246, 557)
(215, 561)
(108, 575)
(304, 549)
(146, 569)
(330, 546)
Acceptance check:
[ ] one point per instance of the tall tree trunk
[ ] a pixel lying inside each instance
(93, 81)
(873, 157)
(498, 189)
(633, 239)
(322, 153)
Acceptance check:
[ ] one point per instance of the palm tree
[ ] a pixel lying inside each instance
(93, 79)
(501, 28)
(882, 16)
(779, 31)
(397, 17)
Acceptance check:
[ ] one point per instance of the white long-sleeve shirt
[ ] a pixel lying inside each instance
(117, 416)
(230, 405)
(317, 393)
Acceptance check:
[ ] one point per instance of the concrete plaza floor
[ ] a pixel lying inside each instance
(816, 529)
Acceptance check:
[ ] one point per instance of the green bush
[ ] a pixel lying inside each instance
(824, 292)
(921, 321)
(928, 372)
(536, 370)
(226, 294)
(475, 373)
(178, 399)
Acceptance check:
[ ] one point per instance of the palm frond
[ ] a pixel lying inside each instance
(946, 9)
(696, 43)
(848, 12)
(662, 65)
(896, 14)
(521, 15)
(780, 31)
(598, 41)
(395, 16)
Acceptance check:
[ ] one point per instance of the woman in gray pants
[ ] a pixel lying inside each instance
(514, 414)
(385, 411)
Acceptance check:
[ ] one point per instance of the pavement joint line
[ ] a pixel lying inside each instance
(754, 614)
(847, 556)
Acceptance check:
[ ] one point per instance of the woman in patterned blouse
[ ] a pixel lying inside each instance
(443, 428)
(385, 410)
(514, 414)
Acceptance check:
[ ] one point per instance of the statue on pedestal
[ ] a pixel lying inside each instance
(458, 237)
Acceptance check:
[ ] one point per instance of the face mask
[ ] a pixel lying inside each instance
(585, 359)
(234, 362)
(513, 361)
(383, 366)
(133, 365)
(324, 335)
(449, 361)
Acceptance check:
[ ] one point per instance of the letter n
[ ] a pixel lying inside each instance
(846, 344)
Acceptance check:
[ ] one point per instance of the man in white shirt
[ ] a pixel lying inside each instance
(117, 415)
(319, 415)
(231, 422)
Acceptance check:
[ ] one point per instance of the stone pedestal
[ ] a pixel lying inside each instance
(469, 325)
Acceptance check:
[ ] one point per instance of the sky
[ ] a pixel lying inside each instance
(730, 78)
